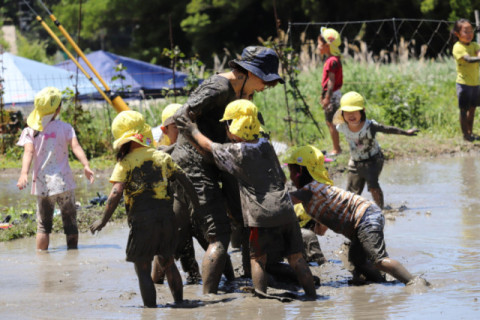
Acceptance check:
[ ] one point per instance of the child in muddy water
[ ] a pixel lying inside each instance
(46, 142)
(366, 157)
(267, 209)
(357, 218)
(144, 175)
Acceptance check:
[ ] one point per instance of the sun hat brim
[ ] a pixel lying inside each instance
(270, 77)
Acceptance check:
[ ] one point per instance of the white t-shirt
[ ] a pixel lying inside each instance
(51, 171)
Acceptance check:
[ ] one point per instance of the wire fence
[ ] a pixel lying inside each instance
(383, 40)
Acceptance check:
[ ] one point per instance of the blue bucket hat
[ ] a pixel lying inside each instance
(261, 61)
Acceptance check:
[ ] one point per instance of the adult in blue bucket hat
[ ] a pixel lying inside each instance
(254, 71)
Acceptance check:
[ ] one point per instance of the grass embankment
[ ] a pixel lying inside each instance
(412, 94)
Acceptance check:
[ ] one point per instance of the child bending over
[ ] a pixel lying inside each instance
(343, 212)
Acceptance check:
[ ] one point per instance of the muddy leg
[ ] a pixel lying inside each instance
(174, 279)
(377, 195)
(464, 125)
(312, 250)
(213, 265)
(42, 241)
(247, 268)
(189, 264)
(147, 288)
(158, 273)
(470, 119)
(395, 269)
(72, 241)
(259, 276)
(304, 275)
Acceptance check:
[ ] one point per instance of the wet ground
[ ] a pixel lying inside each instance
(437, 236)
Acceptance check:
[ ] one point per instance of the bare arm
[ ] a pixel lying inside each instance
(394, 130)
(328, 94)
(472, 59)
(78, 152)
(26, 162)
(112, 203)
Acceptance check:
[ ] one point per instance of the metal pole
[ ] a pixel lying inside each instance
(477, 24)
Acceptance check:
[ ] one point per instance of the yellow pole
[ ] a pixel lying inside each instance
(117, 101)
(57, 40)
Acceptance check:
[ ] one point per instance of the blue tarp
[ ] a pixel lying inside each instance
(138, 75)
(23, 78)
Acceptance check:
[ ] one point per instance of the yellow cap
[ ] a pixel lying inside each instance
(168, 112)
(333, 39)
(46, 102)
(312, 158)
(351, 101)
(130, 126)
(245, 123)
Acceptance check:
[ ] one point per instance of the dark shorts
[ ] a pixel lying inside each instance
(468, 96)
(287, 237)
(152, 232)
(333, 106)
(367, 171)
(66, 204)
(212, 215)
(369, 242)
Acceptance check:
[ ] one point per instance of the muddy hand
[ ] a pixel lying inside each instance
(97, 226)
(22, 181)
(185, 125)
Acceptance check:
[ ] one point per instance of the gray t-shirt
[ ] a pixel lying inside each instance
(265, 199)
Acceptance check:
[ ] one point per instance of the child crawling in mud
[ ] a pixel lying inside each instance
(357, 218)
(266, 206)
(143, 175)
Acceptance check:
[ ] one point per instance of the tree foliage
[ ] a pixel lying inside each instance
(141, 28)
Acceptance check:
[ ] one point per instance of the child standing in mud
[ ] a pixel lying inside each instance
(46, 142)
(332, 80)
(144, 175)
(353, 216)
(467, 56)
(267, 209)
(185, 250)
(366, 157)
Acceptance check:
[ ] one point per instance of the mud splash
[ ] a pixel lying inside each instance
(436, 234)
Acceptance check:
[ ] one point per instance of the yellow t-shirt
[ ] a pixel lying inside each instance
(302, 215)
(145, 172)
(467, 73)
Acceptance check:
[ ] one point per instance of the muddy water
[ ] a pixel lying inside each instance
(437, 237)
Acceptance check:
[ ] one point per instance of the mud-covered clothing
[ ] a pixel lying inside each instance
(153, 232)
(51, 171)
(332, 64)
(369, 241)
(207, 103)
(363, 144)
(333, 207)
(66, 204)
(311, 247)
(265, 200)
(365, 171)
(146, 173)
(287, 237)
(467, 72)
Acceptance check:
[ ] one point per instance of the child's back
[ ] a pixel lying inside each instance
(265, 200)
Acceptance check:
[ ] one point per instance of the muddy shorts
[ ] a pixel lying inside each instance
(152, 232)
(369, 242)
(66, 204)
(468, 96)
(333, 106)
(211, 216)
(367, 171)
(286, 238)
